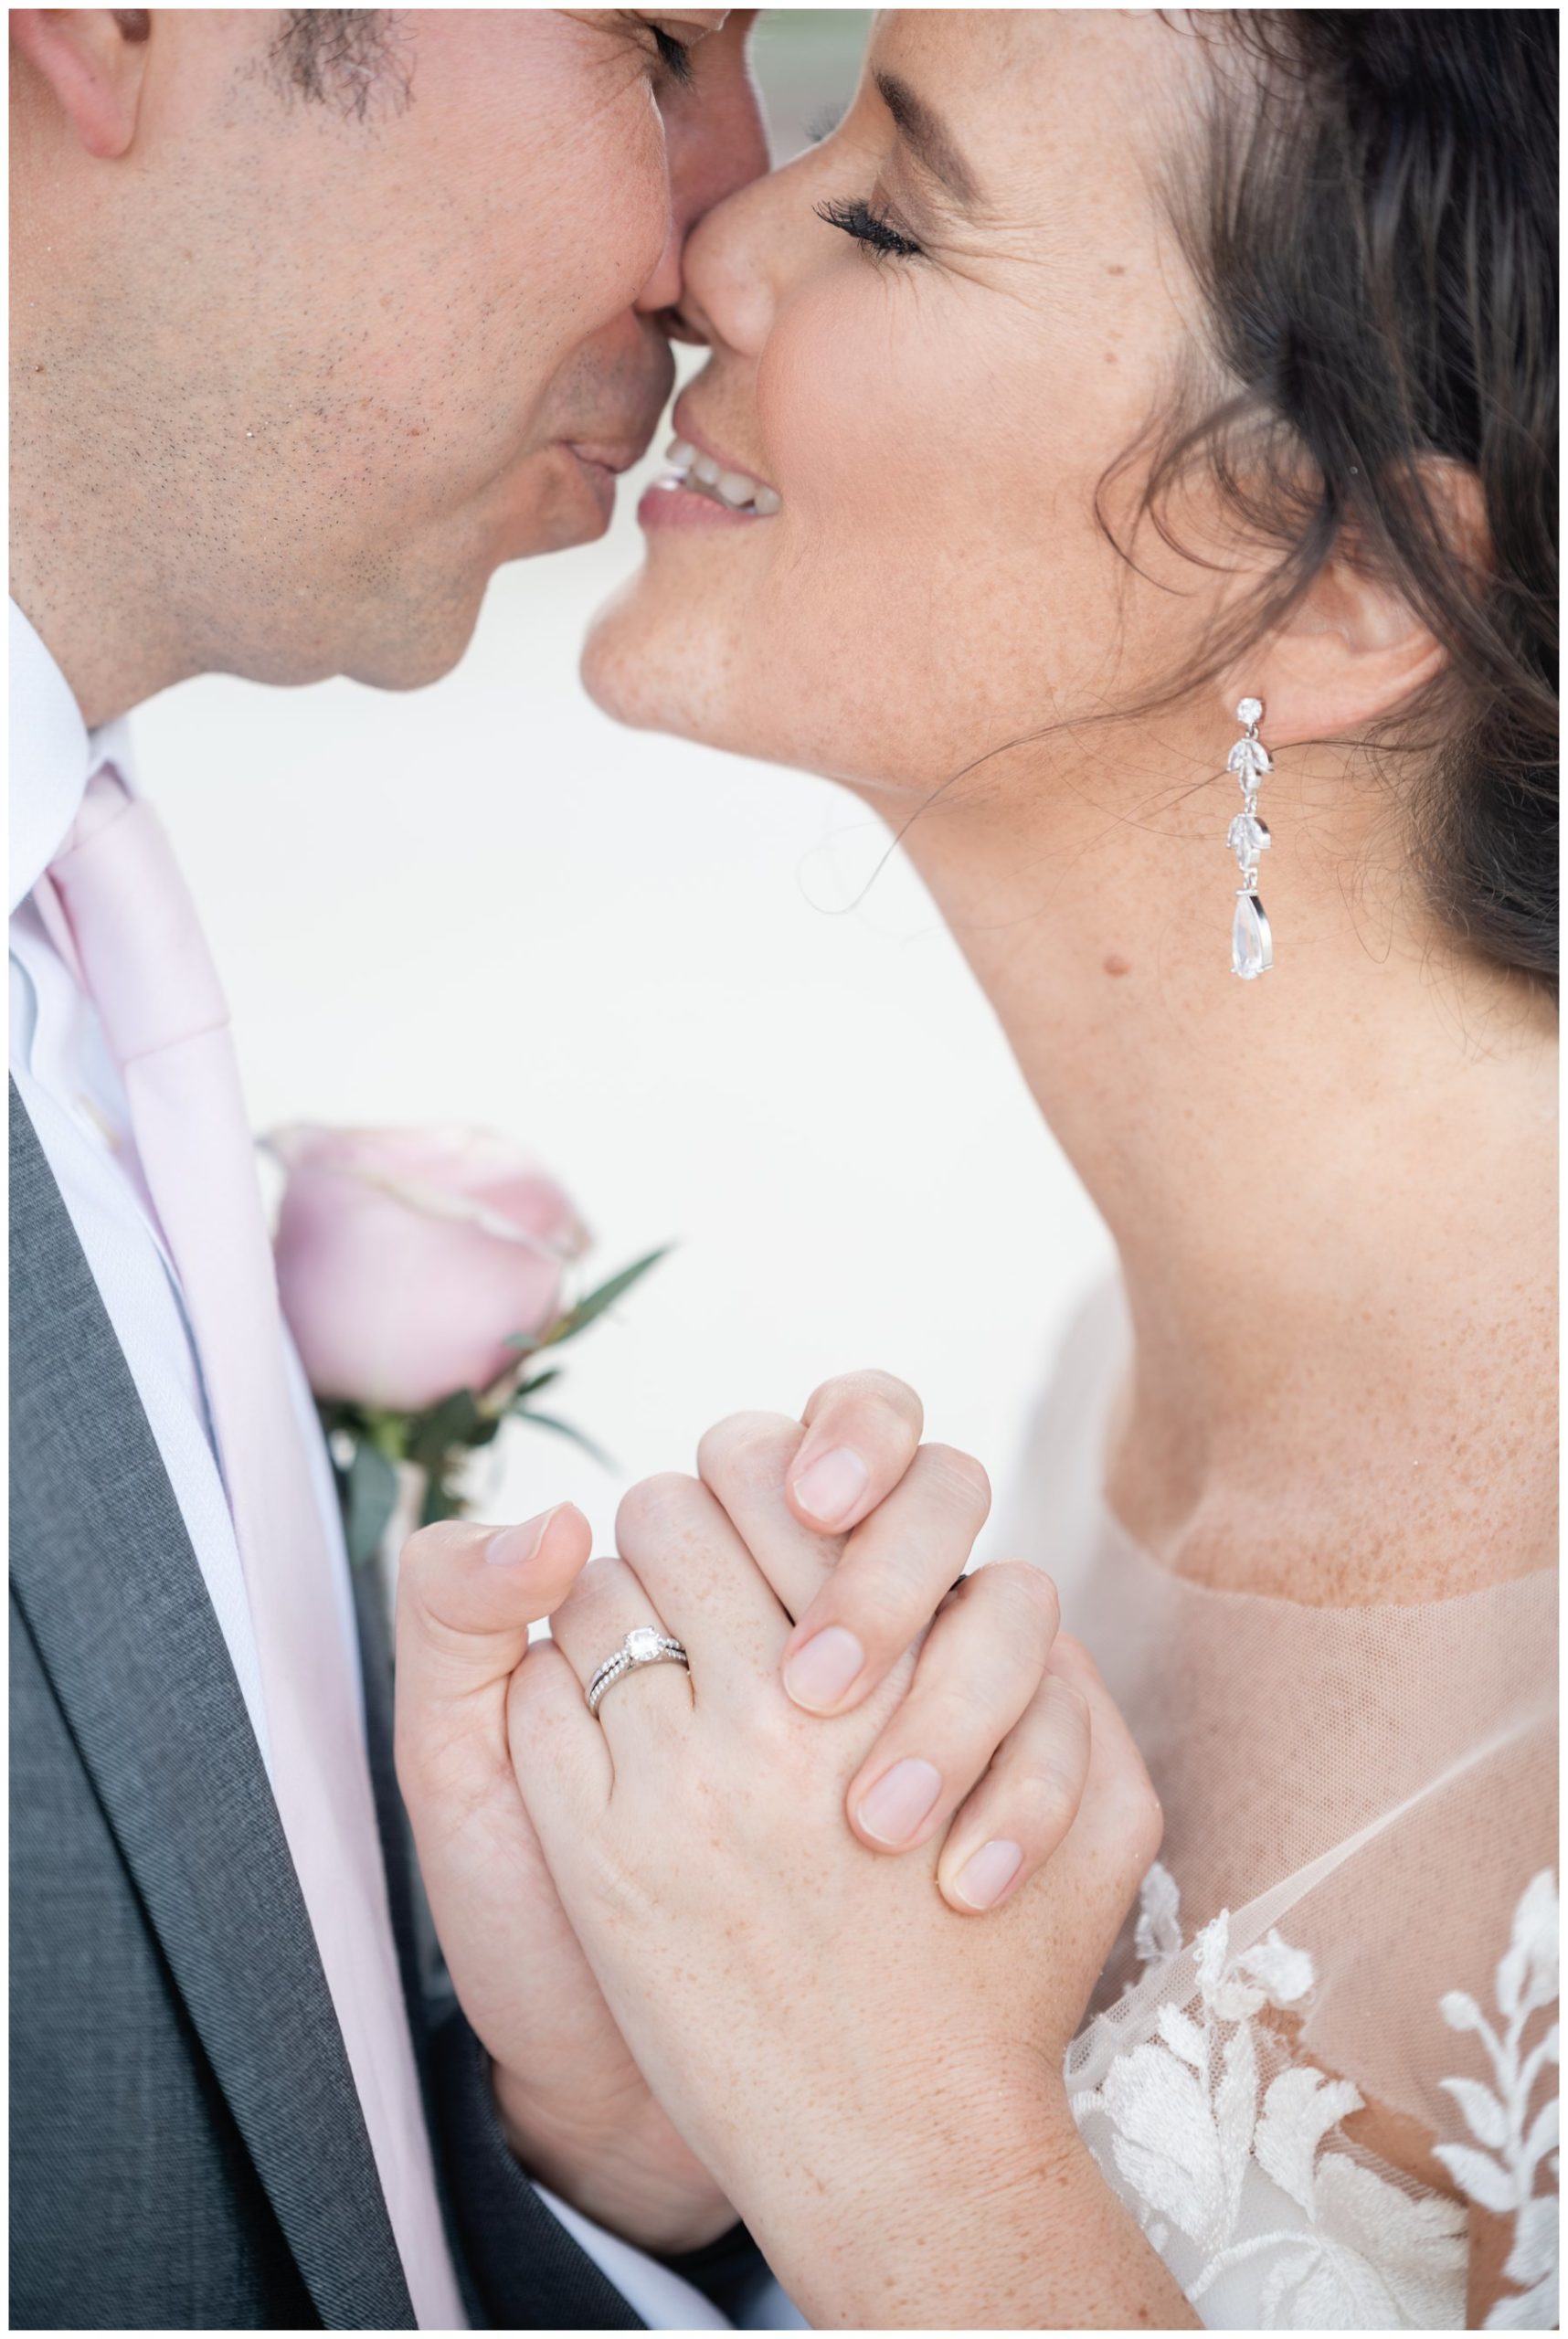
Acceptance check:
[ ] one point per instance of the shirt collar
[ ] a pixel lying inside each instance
(53, 757)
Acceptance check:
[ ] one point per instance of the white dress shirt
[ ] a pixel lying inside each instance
(72, 1089)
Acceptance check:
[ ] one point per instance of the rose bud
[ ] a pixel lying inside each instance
(406, 1256)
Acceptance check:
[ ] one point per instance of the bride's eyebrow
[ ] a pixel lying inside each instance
(927, 138)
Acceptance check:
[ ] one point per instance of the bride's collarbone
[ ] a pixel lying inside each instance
(1425, 1533)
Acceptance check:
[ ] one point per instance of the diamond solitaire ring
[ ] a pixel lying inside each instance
(646, 1644)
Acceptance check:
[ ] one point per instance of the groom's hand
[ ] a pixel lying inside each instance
(577, 2111)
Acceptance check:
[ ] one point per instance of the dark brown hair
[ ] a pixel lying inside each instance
(1373, 226)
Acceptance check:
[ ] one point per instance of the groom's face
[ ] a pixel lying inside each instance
(372, 311)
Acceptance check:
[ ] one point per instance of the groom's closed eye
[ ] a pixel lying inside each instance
(670, 41)
(674, 57)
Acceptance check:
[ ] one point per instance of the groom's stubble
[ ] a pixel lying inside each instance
(297, 370)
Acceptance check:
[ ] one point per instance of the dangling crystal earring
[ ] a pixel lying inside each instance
(1252, 945)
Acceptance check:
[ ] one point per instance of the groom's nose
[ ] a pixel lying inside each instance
(715, 142)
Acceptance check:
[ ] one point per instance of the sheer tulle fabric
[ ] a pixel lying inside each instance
(1354, 1901)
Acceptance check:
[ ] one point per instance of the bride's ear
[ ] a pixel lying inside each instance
(1355, 648)
(92, 62)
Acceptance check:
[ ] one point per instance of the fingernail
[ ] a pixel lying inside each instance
(985, 1877)
(511, 1545)
(832, 1487)
(818, 1673)
(897, 1803)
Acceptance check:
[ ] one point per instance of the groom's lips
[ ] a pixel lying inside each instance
(601, 463)
(611, 455)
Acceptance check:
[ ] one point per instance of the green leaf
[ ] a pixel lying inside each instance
(335, 1413)
(387, 1432)
(540, 1380)
(570, 1429)
(442, 1501)
(455, 1421)
(568, 1326)
(370, 1496)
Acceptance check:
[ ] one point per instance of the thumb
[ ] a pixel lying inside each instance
(467, 1595)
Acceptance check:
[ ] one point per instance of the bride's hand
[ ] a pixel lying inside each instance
(576, 2107)
(863, 2067)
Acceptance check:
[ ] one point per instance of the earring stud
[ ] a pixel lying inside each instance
(1251, 943)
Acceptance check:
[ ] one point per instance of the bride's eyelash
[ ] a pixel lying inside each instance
(855, 218)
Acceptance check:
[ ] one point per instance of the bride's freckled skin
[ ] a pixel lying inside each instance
(935, 615)
(935, 418)
(938, 335)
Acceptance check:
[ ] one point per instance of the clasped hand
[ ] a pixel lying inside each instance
(767, 1916)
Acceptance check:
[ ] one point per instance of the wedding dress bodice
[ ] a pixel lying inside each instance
(1354, 1905)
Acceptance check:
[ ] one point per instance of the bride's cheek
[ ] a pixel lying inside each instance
(905, 495)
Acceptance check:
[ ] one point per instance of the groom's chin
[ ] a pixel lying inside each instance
(383, 670)
(408, 648)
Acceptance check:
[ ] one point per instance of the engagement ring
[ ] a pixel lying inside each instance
(643, 1645)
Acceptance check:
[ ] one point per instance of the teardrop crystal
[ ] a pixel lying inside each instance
(1252, 949)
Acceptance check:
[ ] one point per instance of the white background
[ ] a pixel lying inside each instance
(661, 968)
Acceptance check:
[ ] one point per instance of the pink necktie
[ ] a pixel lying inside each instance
(147, 969)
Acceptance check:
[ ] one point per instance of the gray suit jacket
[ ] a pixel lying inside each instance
(187, 2149)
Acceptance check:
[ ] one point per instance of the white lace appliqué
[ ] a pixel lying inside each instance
(1501, 2177)
(1194, 2124)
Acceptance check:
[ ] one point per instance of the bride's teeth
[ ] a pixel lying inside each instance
(736, 491)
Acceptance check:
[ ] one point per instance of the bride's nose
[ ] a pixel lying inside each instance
(694, 256)
(738, 259)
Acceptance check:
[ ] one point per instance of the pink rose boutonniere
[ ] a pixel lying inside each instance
(422, 1273)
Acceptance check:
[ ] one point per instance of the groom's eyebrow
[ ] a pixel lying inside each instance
(927, 138)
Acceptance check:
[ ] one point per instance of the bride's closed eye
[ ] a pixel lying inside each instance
(854, 217)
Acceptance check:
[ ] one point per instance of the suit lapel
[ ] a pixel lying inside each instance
(105, 1573)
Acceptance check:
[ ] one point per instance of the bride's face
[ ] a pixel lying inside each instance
(933, 387)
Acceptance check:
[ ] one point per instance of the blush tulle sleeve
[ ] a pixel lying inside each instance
(1352, 1930)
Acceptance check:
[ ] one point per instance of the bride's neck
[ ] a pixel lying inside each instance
(1333, 1189)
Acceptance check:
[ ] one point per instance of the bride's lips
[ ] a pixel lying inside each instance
(704, 488)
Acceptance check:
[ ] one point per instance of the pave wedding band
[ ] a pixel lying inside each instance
(645, 1645)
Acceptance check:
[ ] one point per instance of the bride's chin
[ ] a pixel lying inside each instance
(640, 672)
